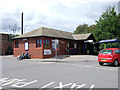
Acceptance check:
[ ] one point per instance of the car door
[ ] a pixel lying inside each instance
(116, 54)
(119, 55)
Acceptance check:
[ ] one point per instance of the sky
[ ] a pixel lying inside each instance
(63, 15)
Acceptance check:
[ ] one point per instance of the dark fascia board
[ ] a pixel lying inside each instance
(41, 37)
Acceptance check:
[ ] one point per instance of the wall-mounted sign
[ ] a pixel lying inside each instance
(26, 46)
(47, 52)
(55, 44)
(24, 39)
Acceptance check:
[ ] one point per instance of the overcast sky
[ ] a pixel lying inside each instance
(63, 15)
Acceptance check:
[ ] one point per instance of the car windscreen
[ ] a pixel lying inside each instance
(106, 51)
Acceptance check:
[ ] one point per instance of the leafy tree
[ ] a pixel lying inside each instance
(108, 25)
(91, 29)
(11, 35)
(81, 29)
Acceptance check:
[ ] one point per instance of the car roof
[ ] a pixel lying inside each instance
(111, 49)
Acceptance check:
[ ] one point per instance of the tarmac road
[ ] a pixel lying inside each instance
(71, 72)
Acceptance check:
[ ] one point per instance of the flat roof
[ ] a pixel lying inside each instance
(109, 41)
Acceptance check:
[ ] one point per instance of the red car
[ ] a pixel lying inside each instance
(109, 55)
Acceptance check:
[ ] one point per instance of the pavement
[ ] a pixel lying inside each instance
(62, 58)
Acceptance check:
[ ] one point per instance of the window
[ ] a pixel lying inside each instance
(16, 44)
(44, 43)
(75, 45)
(48, 43)
(106, 51)
(117, 51)
(38, 43)
(26, 46)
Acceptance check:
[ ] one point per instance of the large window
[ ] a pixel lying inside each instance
(38, 43)
(46, 43)
(16, 44)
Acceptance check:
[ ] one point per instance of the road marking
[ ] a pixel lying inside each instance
(12, 81)
(18, 85)
(91, 87)
(15, 82)
(91, 67)
(80, 86)
(61, 85)
(48, 85)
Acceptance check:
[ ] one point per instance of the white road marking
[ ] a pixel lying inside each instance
(46, 62)
(11, 81)
(48, 85)
(91, 87)
(18, 83)
(61, 85)
(91, 67)
(78, 86)
(24, 84)
(81, 86)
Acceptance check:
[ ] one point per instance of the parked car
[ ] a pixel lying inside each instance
(109, 55)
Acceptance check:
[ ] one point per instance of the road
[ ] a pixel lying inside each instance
(73, 73)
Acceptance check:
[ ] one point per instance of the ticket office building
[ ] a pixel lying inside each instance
(40, 43)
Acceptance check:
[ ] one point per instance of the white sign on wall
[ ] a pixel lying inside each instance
(47, 52)
(26, 46)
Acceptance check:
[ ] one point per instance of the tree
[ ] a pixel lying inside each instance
(81, 29)
(108, 25)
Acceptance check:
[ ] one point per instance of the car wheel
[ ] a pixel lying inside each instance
(116, 63)
(101, 63)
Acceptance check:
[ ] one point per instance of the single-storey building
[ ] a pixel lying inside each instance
(40, 43)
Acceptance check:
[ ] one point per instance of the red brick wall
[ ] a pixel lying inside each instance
(33, 51)
(39, 52)
(5, 44)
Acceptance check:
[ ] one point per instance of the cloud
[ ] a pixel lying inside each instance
(64, 15)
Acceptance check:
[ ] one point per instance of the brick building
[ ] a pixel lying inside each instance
(40, 43)
(6, 45)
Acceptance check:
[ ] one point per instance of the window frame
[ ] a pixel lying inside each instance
(38, 43)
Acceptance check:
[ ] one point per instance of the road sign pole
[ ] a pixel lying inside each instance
(56, 54)
(56, 49)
